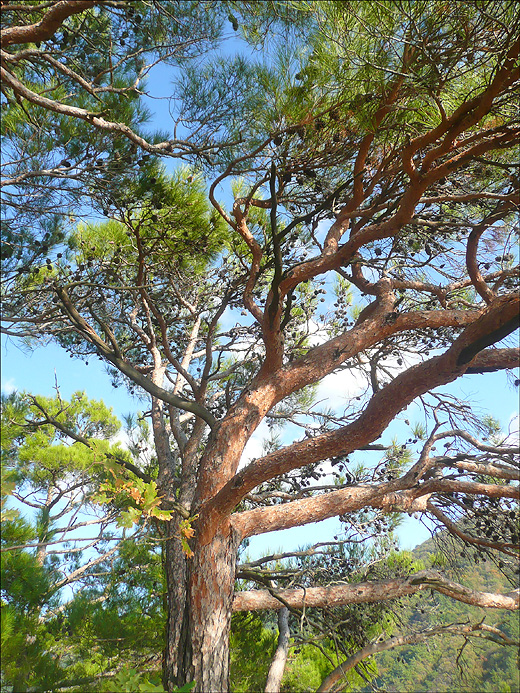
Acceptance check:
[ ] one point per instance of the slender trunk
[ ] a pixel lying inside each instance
(176, 575)
(277, 668)
(200, 595)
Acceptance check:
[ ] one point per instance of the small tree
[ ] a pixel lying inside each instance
(374, 158)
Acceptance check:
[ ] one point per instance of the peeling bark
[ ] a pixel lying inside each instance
(209, 609)
(176, 575)
(368, 592)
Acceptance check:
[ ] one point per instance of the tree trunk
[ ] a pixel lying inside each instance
(200, 596)
(277, 668)
(175, 570)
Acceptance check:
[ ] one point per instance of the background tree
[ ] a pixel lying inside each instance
(72, 608)
(376, 157)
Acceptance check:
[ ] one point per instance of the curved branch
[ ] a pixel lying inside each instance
(379, 412)
(453, 529)
(129, 370)
(467, 114)
(46, 27)
(489, 469)
(369, 592)
(461, 593)
(80, 571)
(496, 335)
(476, 277)
(466, 630)
(459, 433)
(324, 358)
(472, 488)
(256, 252)
(95, 119)
(332, 504)
(402, 495)
(84, 441)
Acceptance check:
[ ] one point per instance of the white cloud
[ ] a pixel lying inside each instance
(8, 386)
(254, 446)
(121, 437)
(318, 333)
(336, 389)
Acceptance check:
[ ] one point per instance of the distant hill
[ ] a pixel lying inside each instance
(448, 664)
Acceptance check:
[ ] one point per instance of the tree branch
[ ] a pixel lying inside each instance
(96, 120)
(369, 592)
(48, 25)
(129, 370)
(467, 630)
(84, 441)
(379, 412)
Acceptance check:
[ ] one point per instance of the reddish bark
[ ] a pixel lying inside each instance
(204, 657)
(48, 25)
(176, 576)
(382, 408)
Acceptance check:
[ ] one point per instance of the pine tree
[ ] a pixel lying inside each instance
(369, 150)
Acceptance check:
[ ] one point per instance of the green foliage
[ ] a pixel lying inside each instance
(156, 274)
(36, 453)
(253, 642)
(169, 214)
(130, 681)
(109, 47)
(491, 427)
(25, 582)
(397, 456)
(418, 431)
(252, 646)
(140, 495)
(29, 653)
(27, 587)
(306, 669)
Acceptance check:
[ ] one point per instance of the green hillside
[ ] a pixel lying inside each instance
(452, 663)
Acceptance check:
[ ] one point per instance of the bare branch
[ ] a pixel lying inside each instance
(369, 592)
(467, 630)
